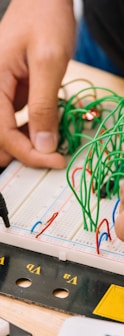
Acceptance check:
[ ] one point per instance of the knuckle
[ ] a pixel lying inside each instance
(50, 54)
(42, 115)
(36, 109)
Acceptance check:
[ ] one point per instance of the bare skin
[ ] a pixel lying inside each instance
(119, 223)
(36, 43)
(121, 207)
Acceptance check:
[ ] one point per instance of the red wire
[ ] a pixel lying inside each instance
(79, 101)
(49, 222)
(73, 174)
(97, 232)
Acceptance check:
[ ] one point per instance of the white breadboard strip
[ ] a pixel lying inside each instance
(18, 182)
(35, 195)
(76, 324)
(4, 328)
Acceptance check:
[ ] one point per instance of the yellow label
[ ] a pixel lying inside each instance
(112, 304)
(67, 276)
(70, 279)
(2, 260)
(33, 269)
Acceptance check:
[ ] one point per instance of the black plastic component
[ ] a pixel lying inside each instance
(15, 331)
(84, 285)
(4, 211)
(1, 169)
(103, 192)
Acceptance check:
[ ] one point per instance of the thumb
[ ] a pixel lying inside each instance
(43, 113)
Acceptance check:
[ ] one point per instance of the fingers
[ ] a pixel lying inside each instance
(33, 61)
(20, 147)
(43, 123)
(5, 158)
(14, 144)
(45, 80)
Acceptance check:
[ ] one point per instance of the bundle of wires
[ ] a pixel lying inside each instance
(102, 155)
(74, 116)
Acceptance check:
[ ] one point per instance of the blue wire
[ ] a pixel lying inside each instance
(114, 210)
(101, 236)
(35, 225)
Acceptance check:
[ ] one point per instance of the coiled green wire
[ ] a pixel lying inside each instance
(104, 154)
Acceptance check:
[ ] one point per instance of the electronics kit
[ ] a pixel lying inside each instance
(61, 234)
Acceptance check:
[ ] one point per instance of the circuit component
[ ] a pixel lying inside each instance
(4, 211)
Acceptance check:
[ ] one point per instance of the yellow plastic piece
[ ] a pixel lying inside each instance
(112, 304)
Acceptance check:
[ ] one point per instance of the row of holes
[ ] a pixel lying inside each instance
(59, 292)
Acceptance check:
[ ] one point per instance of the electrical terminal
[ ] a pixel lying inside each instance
(4, 211)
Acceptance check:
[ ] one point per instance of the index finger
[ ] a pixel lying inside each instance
(18, 145)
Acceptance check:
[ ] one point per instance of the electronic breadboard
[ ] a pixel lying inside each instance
(33, 197)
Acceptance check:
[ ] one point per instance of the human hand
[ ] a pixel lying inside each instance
(36, 43)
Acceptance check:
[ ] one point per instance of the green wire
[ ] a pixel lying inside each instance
(100, 151)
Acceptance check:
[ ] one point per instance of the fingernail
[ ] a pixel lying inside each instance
(45, 142)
